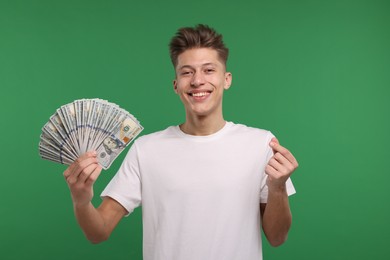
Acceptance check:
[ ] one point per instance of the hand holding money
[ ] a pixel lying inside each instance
(88, 125)
(80, 176)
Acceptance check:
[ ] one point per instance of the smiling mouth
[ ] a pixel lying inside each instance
(199, 94)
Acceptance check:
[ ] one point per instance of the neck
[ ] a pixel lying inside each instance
(202, 125)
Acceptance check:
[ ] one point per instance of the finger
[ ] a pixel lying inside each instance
(94, 175)
(282, 160)
(73, 167)
(281, 164)
(290, 165)
(274, 140)
(78, 165)
(277, 165)
(90, 154)
(83, 165)
(271, 171)
(276, 147)
(86, 172)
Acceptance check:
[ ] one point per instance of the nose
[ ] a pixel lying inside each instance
(197, 79)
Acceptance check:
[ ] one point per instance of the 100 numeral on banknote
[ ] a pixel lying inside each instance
(86, 125)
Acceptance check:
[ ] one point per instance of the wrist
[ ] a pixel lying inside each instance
(81, 205)
(277, 189)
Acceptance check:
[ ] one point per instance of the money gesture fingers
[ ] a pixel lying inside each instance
(280, 166)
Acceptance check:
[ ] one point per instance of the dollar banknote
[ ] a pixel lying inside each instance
(88, 125)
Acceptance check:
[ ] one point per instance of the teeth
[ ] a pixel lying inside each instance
(200, 94)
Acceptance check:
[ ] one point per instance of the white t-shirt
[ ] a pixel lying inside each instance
(200, 195)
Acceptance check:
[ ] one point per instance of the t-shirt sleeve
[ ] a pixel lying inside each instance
(125, 186)
(264, 188)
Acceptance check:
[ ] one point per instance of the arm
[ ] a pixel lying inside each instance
(99, 223)
(276, 214)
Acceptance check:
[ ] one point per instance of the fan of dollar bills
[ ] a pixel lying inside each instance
(86, 125)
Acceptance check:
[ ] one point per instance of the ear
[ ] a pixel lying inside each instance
(228, 80)
(175, 86)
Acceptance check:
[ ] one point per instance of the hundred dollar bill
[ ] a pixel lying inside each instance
(115, 143)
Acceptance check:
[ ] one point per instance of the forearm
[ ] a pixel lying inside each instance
(277, 218)
(91, 222)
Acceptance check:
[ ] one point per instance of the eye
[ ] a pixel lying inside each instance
(186, 73)
(209, 70)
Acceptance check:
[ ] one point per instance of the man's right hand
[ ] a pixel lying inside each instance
(80, 176)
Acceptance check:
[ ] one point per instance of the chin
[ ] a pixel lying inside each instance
(202, 112)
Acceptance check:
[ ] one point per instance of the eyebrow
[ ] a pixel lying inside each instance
(191, 67)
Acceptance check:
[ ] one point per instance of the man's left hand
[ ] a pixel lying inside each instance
(280, 167)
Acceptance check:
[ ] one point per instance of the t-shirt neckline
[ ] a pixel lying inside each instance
(203, 137)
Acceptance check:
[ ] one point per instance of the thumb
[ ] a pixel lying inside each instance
(274, 140)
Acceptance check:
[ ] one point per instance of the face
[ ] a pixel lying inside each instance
(110, 143)
(200, 81)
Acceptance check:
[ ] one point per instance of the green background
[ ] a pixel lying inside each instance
(315, 73)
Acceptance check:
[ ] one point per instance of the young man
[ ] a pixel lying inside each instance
(207, 186)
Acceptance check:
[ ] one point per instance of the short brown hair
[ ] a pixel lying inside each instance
(200, 36)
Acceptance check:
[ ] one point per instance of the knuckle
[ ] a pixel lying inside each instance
(272, 161)
(71, 181)
(293, 167)
(84, 173)
(78, 161)
(90, 153)
(86, 155)
(92, 178)
(284, 152)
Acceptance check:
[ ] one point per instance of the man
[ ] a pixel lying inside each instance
(206, 186)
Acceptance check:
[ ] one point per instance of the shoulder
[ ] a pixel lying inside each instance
(251, 140)
(250, 132)
(159, 136)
